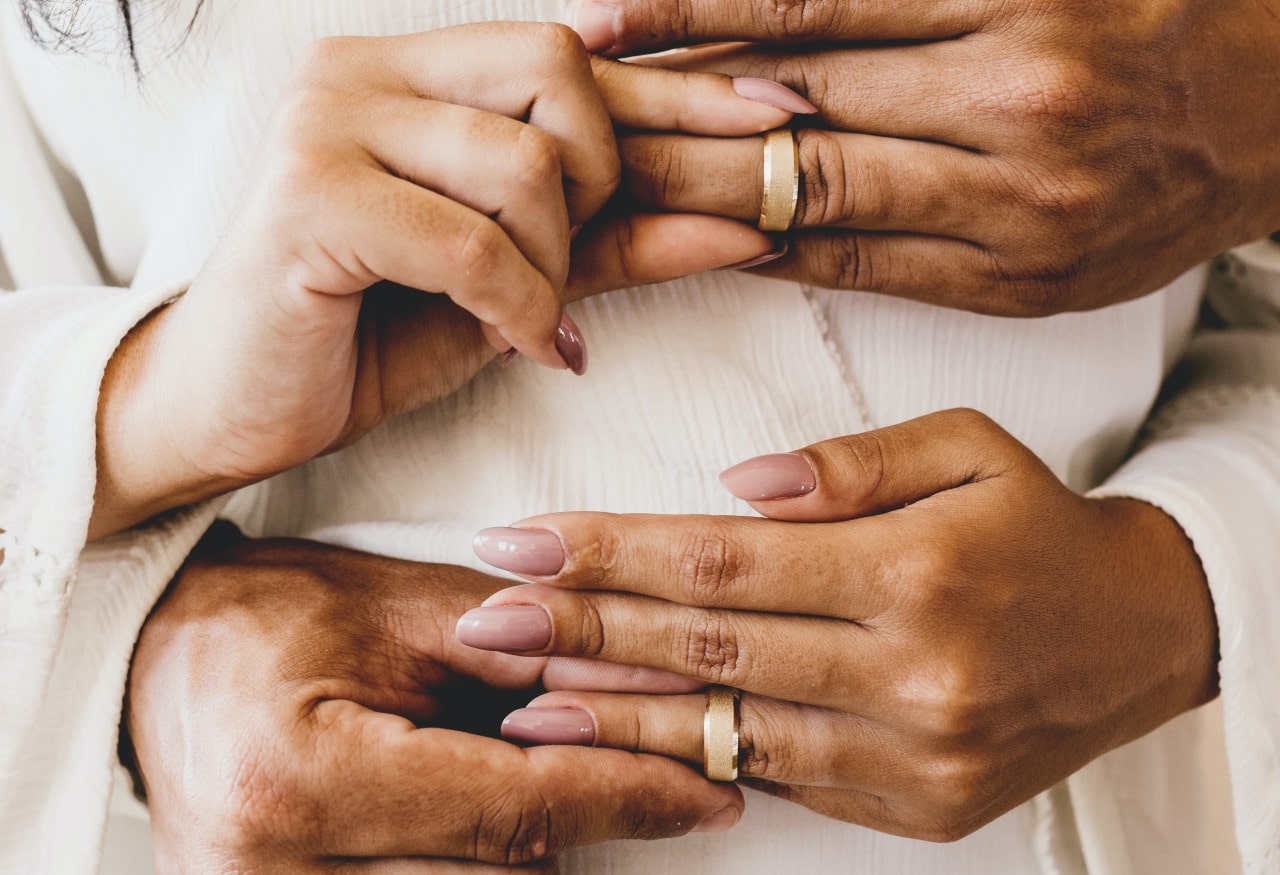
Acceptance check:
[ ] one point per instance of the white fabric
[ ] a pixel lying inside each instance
(686, 378)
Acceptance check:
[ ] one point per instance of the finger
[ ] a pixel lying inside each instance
(639, 249)
(621, 27)
(814, 660)
(535, 72)
(876, 471)
(778, 740)
(942, 271)
(399, 791)
(939, 92)
(433, 866)
(498, 167)
(706, 561)
(564, 673)
(397, 231)
(656, 99)
(846, 181)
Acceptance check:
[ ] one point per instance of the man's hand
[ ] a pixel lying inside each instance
(1016, 158)
(275, 702)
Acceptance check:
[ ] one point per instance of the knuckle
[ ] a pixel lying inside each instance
(796, 19)
(1049, 95)
(863, 456)
(324, 55)
(592, 639)
(827, 190)
(513, 830)
(845, 261)
(967, 420)
(536, 159)
(481, 247)
(948, 703)
(664, 176)
(557, 46)
(712, 648)
(711, 561)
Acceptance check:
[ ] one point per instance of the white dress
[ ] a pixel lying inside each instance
(686, 379)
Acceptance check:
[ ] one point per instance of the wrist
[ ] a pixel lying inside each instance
(1177, 620)
(145, 434)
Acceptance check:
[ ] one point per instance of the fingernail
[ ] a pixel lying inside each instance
(763, 259)
(509, 356)
(596, 24)
(773, 94)
(550, 726)
(571, 346)
(574, 232)
(514, 628)
(780, 475)
(534, 552)
(722, 821)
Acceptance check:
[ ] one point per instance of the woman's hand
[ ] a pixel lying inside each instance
(452, 162)
(929, 629)
(1020, 157)
(274, 706)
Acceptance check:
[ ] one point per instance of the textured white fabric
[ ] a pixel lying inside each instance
(686, 378)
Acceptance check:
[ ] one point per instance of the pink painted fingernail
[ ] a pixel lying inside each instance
(763, 259)
(534, 552)
(596, 23)
(509, 356)
(550, 726)
(571, 346)
(511, 628)
(722, 821)
(764, 478)
(773, 94)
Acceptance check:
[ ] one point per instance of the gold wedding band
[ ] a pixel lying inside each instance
(781, 180)
(720, 734)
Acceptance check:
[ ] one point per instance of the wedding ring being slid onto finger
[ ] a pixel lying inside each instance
(720, 734)
(781, 180)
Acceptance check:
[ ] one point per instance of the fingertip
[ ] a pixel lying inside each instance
(771, 477)
(571, 346)
(773, 94)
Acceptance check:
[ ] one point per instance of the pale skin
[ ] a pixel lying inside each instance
(453, 162)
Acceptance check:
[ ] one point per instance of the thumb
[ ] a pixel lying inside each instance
(643, 248)
(877, 471)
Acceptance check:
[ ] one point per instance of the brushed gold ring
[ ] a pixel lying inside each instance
(781, 181)
(720, 734)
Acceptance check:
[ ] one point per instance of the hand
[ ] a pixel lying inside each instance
(274, 704)
(1016, 158)
(929, 629)
(454, 161)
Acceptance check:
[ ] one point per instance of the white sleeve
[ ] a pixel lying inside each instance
(68, 615)
(1210, 458)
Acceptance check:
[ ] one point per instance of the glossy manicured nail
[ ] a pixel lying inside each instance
(781, 475)
(512, 628)
(509, 356)
(722, 821)
(571, 346)
(534, 552)
(762, 259)
(596, 23)
(550, 726)
(773, 94)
